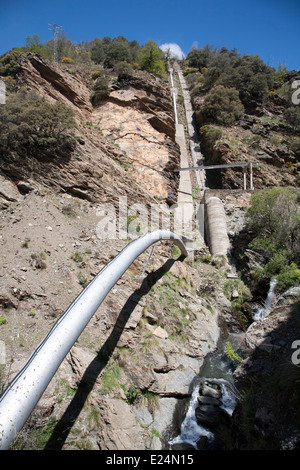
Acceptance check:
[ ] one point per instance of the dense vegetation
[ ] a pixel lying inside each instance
(223, 73)
(273, 220)
(106, 52)
(29, 124)
(222, 106)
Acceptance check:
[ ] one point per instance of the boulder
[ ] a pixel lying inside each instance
(211, 416)
(122, 430)
(8, 190)
(209, 411)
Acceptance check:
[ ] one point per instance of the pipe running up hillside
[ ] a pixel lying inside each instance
(216, 227)
(24, 392)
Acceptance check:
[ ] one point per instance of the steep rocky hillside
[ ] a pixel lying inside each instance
(125, 383)
(260, 133)
(99, 159)
(120, 384)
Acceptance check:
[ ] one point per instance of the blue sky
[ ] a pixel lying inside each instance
(269, 28)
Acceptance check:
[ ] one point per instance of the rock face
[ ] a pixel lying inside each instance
(127, 148)
(121, 383)
(138, 118)
(257, 137)
(54, 84)
(119, 386)
(268, 377)
(122, 430)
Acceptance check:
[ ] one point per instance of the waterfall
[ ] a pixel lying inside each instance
(228, 397)
(261, 313)
(191, 431)
(217, 368)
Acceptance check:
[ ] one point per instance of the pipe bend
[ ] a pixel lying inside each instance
(22, 395)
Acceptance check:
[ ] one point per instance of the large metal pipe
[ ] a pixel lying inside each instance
(24, 392)
(216, 227)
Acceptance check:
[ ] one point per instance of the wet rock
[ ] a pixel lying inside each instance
(209, 411)
(210, 390)
(174, 383)
(211, 416)
(207, 400)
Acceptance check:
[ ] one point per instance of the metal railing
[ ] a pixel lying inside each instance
(22, 395)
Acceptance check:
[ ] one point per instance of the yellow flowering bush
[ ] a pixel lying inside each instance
(67, 60)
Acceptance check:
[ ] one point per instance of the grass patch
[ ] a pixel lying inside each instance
(110, 379)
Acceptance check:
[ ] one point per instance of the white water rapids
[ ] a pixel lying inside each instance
(191, 431)
(261, 313)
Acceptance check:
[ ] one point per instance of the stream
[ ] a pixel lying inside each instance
(262, 312)
(218, 399)
(213, 398)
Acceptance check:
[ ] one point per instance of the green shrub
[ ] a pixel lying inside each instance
(189, 70)
(287, 275)
(95, 74)
(9, 63)
(295, 148)
(100, 90)
(274, 221)
(151, 58)
(132, 393)
(123, 69)
(29, 124)
(198, 58)
(116, 52)
(211, 134)
(109, 51)
(222, 106)
(78, 258)
(246, 73)
(234, 356)
(292, 116)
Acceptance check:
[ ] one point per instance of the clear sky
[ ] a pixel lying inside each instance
(269, 28)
